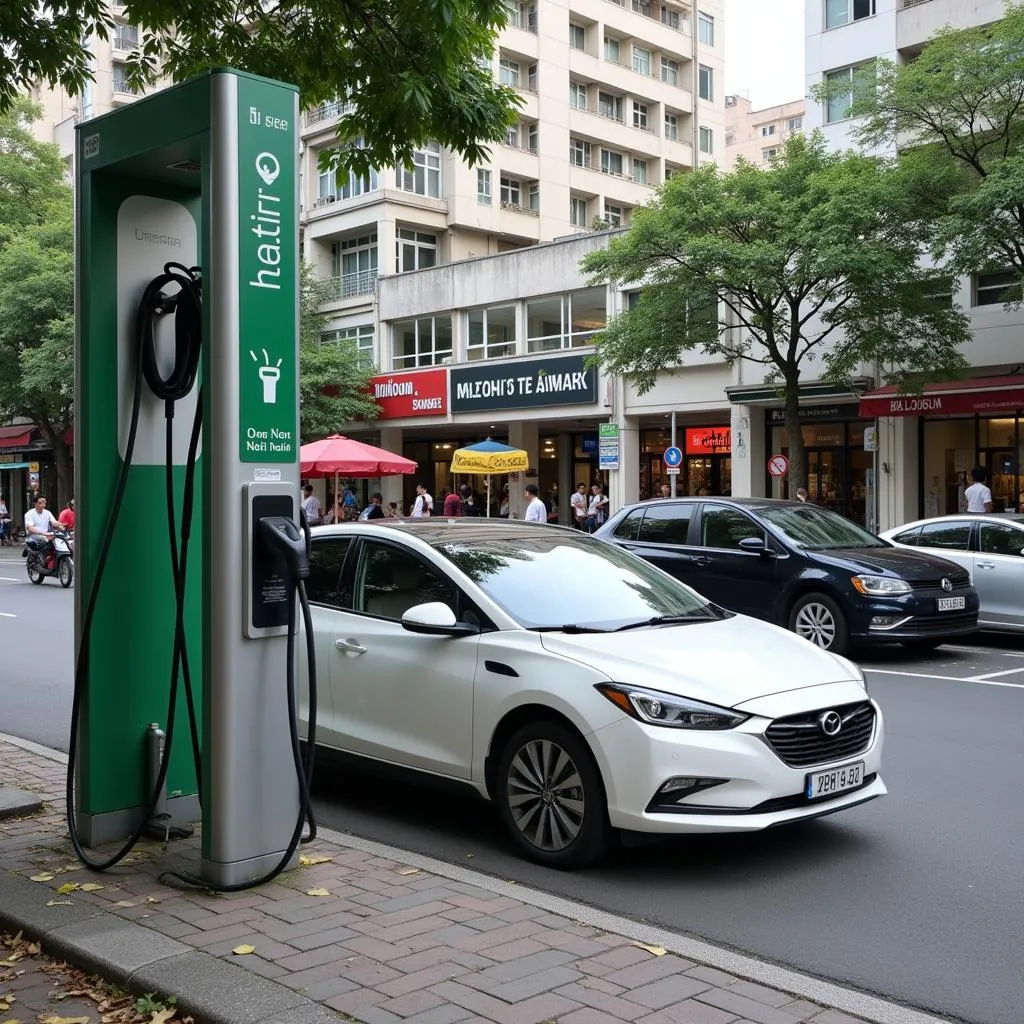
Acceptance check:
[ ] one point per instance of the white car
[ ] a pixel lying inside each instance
(580, 688)
(989, 547)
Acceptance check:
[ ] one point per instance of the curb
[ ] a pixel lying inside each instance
(16, 802)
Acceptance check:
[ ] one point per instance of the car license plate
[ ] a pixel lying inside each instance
(834, 780)
(952, 604)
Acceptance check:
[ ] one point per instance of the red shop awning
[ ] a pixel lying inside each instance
(15, 437)
(979, 395)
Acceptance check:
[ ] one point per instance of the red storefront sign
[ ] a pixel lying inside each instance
(423, 393)
(708, 441)
(982, 395)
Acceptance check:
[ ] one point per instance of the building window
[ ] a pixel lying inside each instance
(126, 37)
(512, 136)
(361, 337)
(491, 333)
(843, 86)
(414, 250)
(707, 140)
(769, 154)
(533, 197)
(611, 162)
(642, 7)
(611, 49)
(327, 187)
(642, 61)
(354, 266)
(423, 175)
(795, 124)
(425, 342)
(577, 37)
(578, 212)
(671, 126)
(670, 17)
(508, 72)
(766, 130)
(669, 71)
(705, 29)
(613, 214)
(579, 152)
(511, 192)
(577, 96)
(706, 83)
(483, 186)
(532, 137)
(522, 16)
(609, 106)
(565, 321)
(996, 288)
(640, 171)
(843, 12)
(531, 78)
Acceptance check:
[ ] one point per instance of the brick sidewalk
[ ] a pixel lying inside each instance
(383, 942)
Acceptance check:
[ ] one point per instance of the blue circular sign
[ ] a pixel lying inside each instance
(673, 457)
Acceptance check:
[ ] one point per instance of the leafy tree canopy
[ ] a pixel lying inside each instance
(813, 260)
(409, 67)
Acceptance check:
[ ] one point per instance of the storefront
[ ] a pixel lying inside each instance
(706, 466)
(960, 425)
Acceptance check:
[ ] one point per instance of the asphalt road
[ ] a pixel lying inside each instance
(917, 897)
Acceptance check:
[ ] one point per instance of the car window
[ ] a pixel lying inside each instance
(908, 536)
(818, 529)
(391, 580)
(997, 539)
(724, 527)
(956, 536)
(666, 524)
(629, 528)
(326, 561)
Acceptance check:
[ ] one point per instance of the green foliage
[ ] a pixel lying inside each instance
(409, 66)
(333, 388)
(962, 103)
(813, 260)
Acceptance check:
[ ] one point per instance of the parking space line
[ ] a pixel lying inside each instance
(7, 615)
(994, 651)
(993, 675)
(973, 680)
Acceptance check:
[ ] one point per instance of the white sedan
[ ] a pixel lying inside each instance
(580, 688)
(989, 547)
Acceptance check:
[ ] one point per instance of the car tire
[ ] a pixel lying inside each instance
(819, 619)
(924, 646)
(553, 824)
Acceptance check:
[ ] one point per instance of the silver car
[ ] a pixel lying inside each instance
(990, 548)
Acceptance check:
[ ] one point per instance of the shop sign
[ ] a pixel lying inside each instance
(810, 413)
(4, 459)
(589, 444)
(709, 441)
(871, 439)
(608, 451)
(422, 393)
(943, 404)
(529, 384)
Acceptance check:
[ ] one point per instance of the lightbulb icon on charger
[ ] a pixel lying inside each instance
(270, 374)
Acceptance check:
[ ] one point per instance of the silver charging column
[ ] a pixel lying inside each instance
(251, 441)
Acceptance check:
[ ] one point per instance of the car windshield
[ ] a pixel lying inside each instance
(558, 578)
(817, 529)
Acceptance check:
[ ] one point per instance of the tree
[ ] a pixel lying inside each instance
(333, 388)
(808, 260)
(410, 68)
(961, 103)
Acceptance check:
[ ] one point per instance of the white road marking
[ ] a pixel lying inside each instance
(10, 579)
(993, 675)
(994, 651)
(7, 615)
(977, 681)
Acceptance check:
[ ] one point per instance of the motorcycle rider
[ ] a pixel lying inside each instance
(39, 522)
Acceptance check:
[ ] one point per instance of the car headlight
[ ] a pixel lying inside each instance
(880, 586)
(657, 708)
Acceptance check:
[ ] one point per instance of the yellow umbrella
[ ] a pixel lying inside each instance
(487, 457)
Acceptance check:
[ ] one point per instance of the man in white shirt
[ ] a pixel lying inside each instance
(311, 506)
(424, 503)
(597, 512)
(578, 503)
(39, 522)
(536, 510)
(979, 497)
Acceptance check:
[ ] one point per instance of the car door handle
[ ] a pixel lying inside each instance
(353, 647)
(701, 559)
(985, 565)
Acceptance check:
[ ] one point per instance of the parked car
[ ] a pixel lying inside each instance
(580, 688)
(990, 548)
(803, 567)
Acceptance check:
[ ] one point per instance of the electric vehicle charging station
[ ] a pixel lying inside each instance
(201, 175)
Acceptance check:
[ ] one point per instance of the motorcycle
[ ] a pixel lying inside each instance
(41, 563)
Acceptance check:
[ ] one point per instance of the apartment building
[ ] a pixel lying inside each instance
(757, 135)
(927, 443)
(616, 97)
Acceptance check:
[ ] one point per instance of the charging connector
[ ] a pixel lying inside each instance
(280, 536)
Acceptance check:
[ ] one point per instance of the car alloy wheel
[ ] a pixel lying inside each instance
(815, 622)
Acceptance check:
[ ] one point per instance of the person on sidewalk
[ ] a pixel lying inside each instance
(453, 504)
(5, 523)
(978, 495)
(536, 510)
(578, 504)
(424, 503)
(310, 505)
(375, 510)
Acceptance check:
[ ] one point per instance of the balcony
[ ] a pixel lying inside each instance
(125, 42)
(122, 89)
(348, 285)
(675, 18)
(328, 111)
(918, 20)
(518, 208)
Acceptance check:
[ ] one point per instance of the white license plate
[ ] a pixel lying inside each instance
(951, 604)
(834, 780)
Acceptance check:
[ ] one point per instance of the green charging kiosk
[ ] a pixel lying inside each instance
(202, 174)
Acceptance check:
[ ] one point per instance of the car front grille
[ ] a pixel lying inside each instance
(961, 580)
(941, 623)
(800, 741)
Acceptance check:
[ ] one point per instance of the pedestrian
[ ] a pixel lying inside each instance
(978, 495)
(349, 505)
(67, 515)
(392, 510)
(505, 506)
(578, 506)
(375, 509)
(424, 503)
(310, 505)
(597, 510)
(469, 506)
(453, 504)
(536, 510)
(801, 494)
(666, 491)
(5, 523)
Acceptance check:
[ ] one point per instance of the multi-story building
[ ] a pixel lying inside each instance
(616, 97)
(926, 443)
(757, 135)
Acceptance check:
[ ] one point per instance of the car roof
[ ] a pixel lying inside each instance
(438, 529)
(1013, 518)
(690, 499)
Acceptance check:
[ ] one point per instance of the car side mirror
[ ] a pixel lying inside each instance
(435, 618)
(758, 545)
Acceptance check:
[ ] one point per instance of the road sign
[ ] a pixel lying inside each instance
(608, 446)
(778, 465)
(673, 457)
(672, 471)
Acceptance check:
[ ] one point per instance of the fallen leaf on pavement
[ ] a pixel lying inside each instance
(10, 1020)
(66, 1020)
(653, 950)
(152, 899)
(67, 887)
(244, 950)
(307, 861)
(163, 1016)
(318, 892)
(44, 877)
(91, 887)
(60, 903)
(409, 871)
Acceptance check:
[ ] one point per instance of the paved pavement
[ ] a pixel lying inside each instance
(363, 932)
